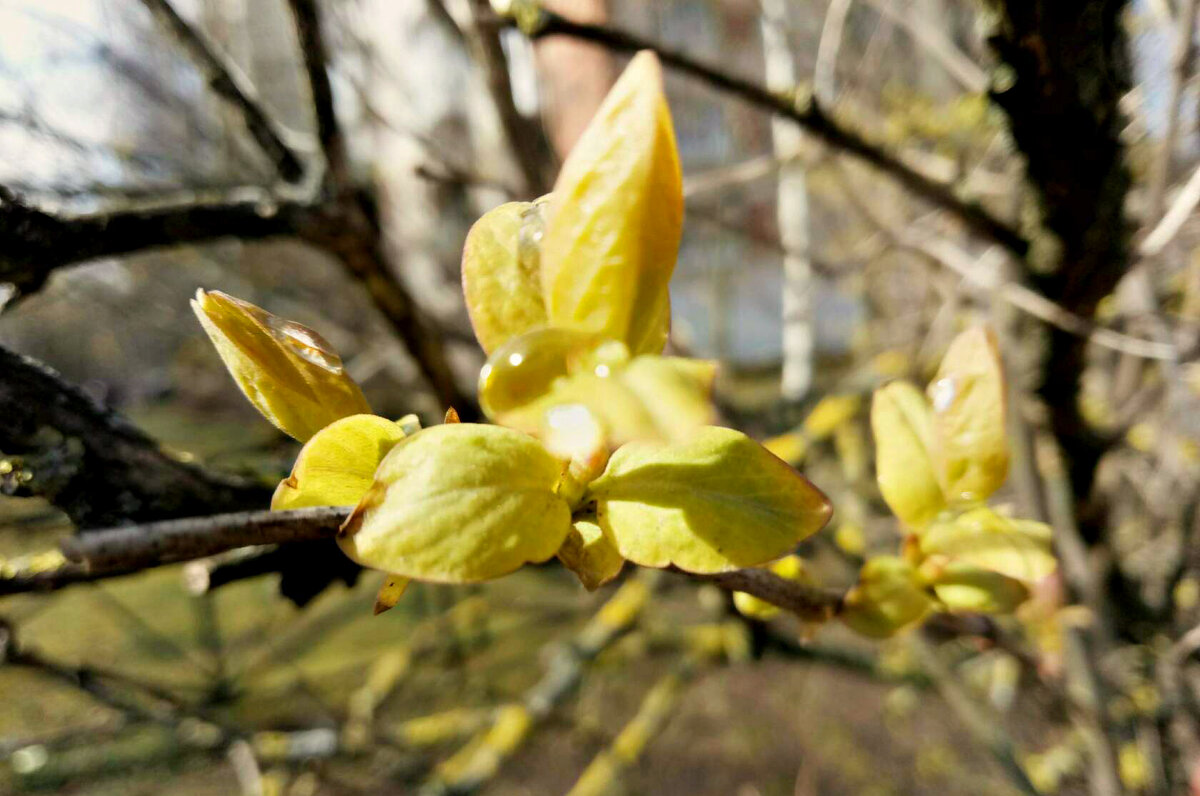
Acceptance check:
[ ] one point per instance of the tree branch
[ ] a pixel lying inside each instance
(307, 18)
(118, 551)
(90, 462)
(228, 84)
(352, 231)
(539, 23)
(34, 243)
(1071, 66)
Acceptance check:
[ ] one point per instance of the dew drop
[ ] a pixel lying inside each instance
(943, 392)
(310, 346)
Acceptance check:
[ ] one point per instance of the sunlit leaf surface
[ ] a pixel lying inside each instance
(288, 371)
(501, 283)
(902, 426)
(717, 502)
(615, 217)
(969, 442)
(337, 466)
(460, 503)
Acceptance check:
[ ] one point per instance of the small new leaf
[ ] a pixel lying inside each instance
(902, 426)
(288, 371)
(1018, 549)
(591, 555)
(969, 443)
(615, 218)
(390, 592)
(460, 503)
(500, 273)
(889, 596)
(337, 466)
(716, 502)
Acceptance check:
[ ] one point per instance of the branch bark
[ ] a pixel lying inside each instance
(60, 443)
(119, 551)
(350, 229)
(540, 23)
(1070, 66)
(34, 243)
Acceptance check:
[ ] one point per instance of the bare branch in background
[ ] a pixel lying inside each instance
(60, 443)
(34, 243)
(316, 64)
(1181, 64)
(352, 232)
(526, 138)
(957, 64)
(808, 114)
(1172, 221)
(791, 206)
(227, 83)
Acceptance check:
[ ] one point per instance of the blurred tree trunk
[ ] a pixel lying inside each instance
(791, 209)
(1070, 67)
(575, 75)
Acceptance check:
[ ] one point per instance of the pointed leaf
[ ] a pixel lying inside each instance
(1019, 549)
(390, 592)
(970, 444)
(288, 371)
(676, 393)
(902, 426)
(717, 502)
(615, 218)
(500, 273)
(591, 555)
(337, 466)
(458, 504)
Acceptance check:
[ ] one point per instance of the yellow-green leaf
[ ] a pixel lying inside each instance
(615, 217)
(889, 596)
(1019, 549)
(501, 281)
(390, 592)
(337, 466)
(288, 371)
(970, 445)
(458, 504)
(648, 397)
(902, 426)
(676, 393)
(716, 502)
(591, 555)
(829, 413)
(964, 587)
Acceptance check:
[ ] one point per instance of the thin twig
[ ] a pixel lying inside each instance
(1172, 221)
(808, 114)
(986, 728)
(945, 253)
(313, 52)
(118, 551)
(227, 82)
(481, 758)
(1181, 62)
